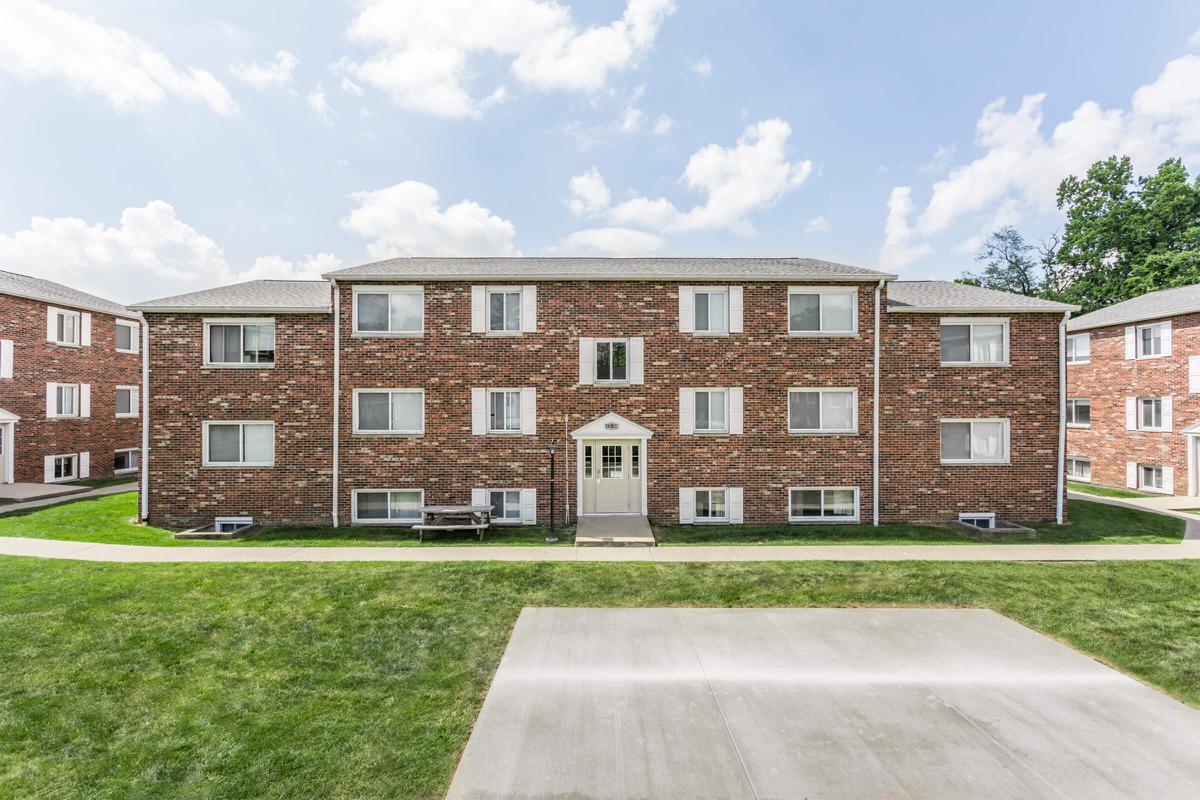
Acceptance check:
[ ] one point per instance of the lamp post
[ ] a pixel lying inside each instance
(552, 448)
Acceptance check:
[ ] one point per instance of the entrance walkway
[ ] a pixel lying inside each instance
(21, 492)
(1168, 506)
(72, 493)
(614, 530)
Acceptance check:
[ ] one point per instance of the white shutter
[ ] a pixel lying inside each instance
(528, 309)
(51, 410)
(687, 310)
(85, 465)
(735, 309)
(687, 506)
(1194, 374)
(529, 506)
(1169, 480)
(637, 360)
(1130, 342)
(85, 329)
(1168, 417)
(479, 412)
(51, 327)
(478, 309)
(1131, 413)
(48, 469)
(479, 497)
(529, 411)
(587, 360)
(734, 393)
(1131, 474)
(733, 501)
(6, 358)
(1166, 338)
(687, 411)
(85, 399)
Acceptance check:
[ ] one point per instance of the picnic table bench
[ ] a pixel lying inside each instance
(454, 518)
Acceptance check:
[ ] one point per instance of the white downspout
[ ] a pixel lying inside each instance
(1062, 415)
(875, 419)
(337, 385)
(144, 493)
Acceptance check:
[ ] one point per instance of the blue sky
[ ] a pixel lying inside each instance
(152, 148)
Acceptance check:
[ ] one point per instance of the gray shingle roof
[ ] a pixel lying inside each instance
(17, 285)
(262, 295)
(601, 269)
(1164, 303)
(947, 296)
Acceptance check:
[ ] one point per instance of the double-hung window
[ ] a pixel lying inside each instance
(389, 411)
(975, 441)
(125, 460)
(239, 444)
(711, 310)
(65, 327)
(394, 311)
(127, 401)
(711, 411)
(823, 504)
(821, 311)
(504, 310)
(388, 506)
(1079, 412)
(239, 343)
(65, 398)
(710, 505)
(1150, 414)
(127, 336)
(974, 341)
(612, 360)
(504, 410)
(1078, 468)
(1079, 348)
(1150, 339)
(822, 410)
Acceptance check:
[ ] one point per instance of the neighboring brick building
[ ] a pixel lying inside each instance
(693, 390)
(70, 372)
(1133, 387)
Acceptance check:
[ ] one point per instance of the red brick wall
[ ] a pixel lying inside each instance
(919, 392)
(37, 361)
(296, 394)
(1109, 379)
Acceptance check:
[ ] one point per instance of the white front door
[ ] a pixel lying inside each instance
(612, 476)
(5, 435)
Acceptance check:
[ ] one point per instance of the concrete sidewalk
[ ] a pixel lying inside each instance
(1169, 506)
(69, 497)
(124, 553)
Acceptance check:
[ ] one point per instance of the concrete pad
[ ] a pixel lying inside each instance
(614, 530)
(20, 492)
(828, 703)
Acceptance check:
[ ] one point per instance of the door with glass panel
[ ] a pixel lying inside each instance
(612, 476)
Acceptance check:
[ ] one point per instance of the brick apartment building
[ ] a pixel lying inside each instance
(1133, 393)
(689, 390)
(70, 372)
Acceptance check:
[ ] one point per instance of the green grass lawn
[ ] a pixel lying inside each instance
(97, 483)
(363, 680)
(1104, 491)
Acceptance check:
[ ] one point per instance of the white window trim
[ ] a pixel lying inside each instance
(488, 291)
(1156, 489)
(972, 322)
(504, 520)
(1077, 424)
(237, 522)
(487, 410)
(389, 290)
(354, 518)
(235, 464)
(710, 431)
(78, 326)
(823, 290)
(596, 361)
(135, 335)
(389, 391)
(822, 431)
(127, 469)
(1162, 412)
(1077, 336)
(1137, 344)
(1006, 441)
(74, 476)
(209, 322)
(822, 519)
(133, 401)
(988, 515)
(53, 413)
(697, 519)
(1076, 478)
(722, 290)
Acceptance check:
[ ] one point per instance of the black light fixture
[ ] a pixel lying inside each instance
(552, 447)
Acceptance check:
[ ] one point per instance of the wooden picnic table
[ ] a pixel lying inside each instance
(454, 518)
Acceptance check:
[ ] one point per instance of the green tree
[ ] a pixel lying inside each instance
(1008, 265)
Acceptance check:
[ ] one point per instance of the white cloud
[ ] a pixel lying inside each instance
(631, 119)
(423, 47)
(1195, 37)
(702, 67)
(406, 220)
(39, 41)
(150, 253)
(736, 181)
(270, 75)
(817, 225)
(589, 194)
(663, 125)
(319, 104)
(1022, 164)
(610, 242)
(898, 250)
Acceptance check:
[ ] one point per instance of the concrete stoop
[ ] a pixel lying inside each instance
(614, 530)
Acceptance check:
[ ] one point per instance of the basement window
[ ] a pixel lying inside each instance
(232, 524)
(979, 519)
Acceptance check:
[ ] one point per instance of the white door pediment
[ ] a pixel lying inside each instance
(611, 426)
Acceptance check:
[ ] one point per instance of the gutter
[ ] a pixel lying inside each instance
(144, 494)
(492, 277)
(337, 385)
(1062, 416)
(875, 418)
